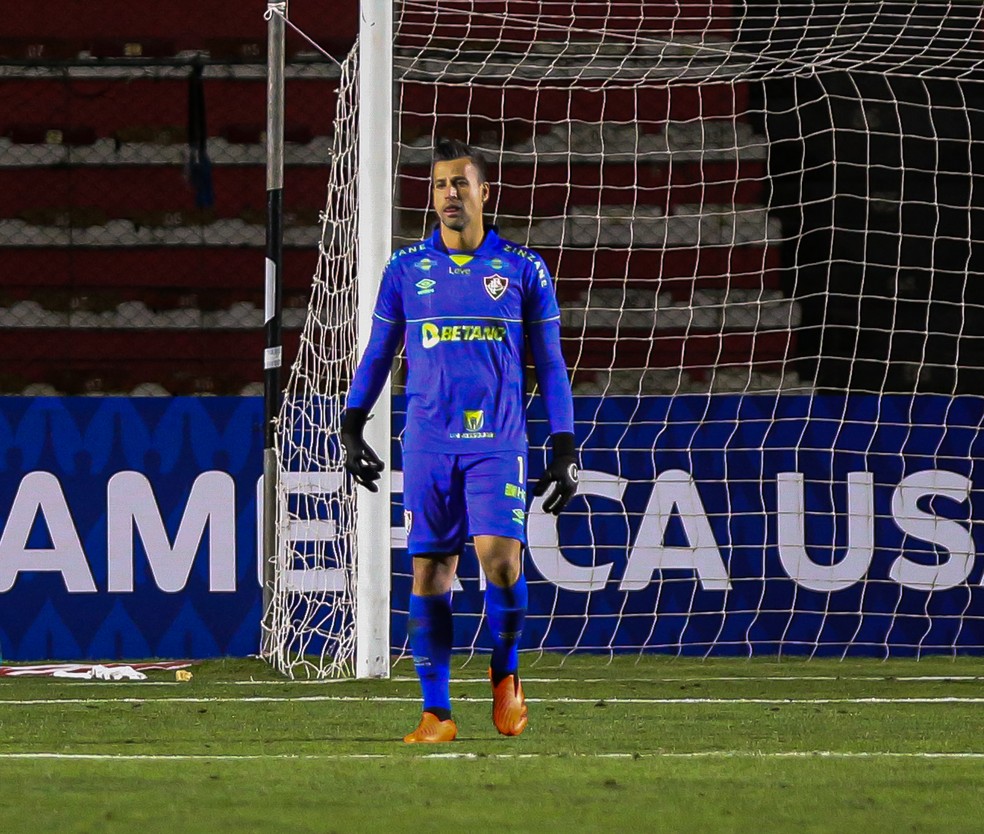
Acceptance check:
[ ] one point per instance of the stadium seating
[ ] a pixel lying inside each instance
(654, 227)
(106, 251)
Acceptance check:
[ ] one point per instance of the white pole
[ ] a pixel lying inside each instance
(373, 565)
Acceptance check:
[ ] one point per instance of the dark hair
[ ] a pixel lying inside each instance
(448, 149)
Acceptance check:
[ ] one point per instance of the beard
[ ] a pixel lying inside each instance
(456, 224)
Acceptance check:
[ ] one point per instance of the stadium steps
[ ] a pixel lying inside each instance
(111, 190)
(225, 25)
(695, 17)
(591, 350)
(113, 107)
(79, 360)
(555, 189)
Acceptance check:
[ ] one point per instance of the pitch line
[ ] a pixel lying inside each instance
(696, 754)
(396, 699)
(484, 681)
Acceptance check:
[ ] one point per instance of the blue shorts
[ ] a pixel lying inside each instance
(446, 498)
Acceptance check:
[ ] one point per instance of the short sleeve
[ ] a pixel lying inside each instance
(539, 301)
(389, 301)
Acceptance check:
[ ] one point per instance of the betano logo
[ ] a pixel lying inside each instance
(431, 335)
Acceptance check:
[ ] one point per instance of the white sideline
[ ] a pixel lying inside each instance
(484, 681)
(253, 699)
(697, 754)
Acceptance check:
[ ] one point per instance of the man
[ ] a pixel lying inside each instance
(468, 303)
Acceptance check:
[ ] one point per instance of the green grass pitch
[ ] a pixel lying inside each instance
(630, 744)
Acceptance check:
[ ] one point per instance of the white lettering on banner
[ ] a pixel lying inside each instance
(298, 532)
(544, 543)
(792, 533)
(675, 489)
(39, 496)
(944, 533)
(132, 508)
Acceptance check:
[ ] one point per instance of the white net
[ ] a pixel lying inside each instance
(311, 628)
(765, 234)
(765, 228)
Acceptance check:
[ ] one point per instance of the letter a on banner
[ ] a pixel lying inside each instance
(675, 489)
(40, 494)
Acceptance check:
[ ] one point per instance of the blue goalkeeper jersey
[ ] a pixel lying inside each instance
(465, 318)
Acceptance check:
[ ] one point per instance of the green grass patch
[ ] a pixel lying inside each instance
(649, 743)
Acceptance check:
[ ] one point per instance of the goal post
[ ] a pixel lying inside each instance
(325, 548)
(766, 231)
(375, 201)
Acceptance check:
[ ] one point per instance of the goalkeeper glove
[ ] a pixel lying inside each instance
(360, 460)
(561, 472)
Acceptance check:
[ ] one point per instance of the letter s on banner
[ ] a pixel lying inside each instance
(544, 543)
(945, 533)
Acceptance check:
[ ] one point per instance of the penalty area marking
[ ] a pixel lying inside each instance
(273, 699)
(696, 754)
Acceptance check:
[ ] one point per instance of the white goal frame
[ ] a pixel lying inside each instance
(375, 201)
(373, 561)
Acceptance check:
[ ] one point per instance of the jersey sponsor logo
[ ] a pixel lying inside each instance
(425, 265)
(431, 335)
(461, 260)
(459, 270)
(495, 286)
(474, 420)
(497, 264)
(407, 250)
(519, 516)
(515, 491)
(425, 286)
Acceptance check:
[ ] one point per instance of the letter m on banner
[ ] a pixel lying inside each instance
(133, 510)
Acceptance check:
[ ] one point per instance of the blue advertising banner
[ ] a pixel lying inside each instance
(720, 525)
(129, 527)
(736, 525)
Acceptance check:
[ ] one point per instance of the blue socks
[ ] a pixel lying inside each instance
(431, 634)
(506, 612)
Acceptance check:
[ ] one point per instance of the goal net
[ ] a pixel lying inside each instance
(765, 228)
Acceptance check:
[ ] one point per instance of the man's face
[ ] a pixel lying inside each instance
(459, 194)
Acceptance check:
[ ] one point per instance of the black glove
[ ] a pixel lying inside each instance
(561, 472)
(360, 460)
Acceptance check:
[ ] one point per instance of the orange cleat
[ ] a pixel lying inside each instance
(509, 712)
(432, 730)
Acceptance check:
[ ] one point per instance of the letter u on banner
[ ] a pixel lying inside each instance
(792, 534)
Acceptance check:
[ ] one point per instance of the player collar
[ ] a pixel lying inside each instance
(489, 243)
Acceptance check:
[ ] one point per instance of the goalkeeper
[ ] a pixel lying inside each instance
(467, 303)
